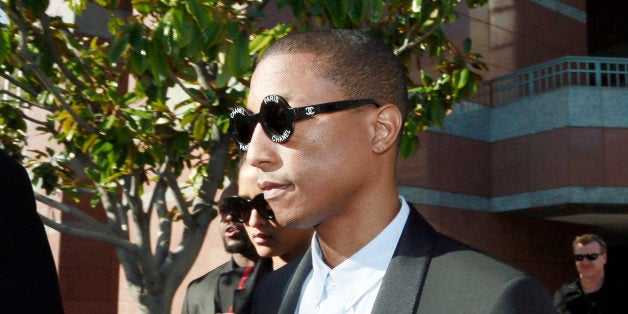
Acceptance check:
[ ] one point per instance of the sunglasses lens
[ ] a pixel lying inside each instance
(241, 128)
(239, 208)
(262, 207)
(590, 257)
(276, 118)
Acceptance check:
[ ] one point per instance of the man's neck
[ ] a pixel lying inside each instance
(243, 260)
(592, 284)
(343, 237)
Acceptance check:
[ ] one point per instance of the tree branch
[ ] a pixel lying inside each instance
(71, 210)
(179, 199)
(45, 26)
(90, 234)
(131, 190)
(116, 221)
(23, 100)
(177, 81)
(130, 267)
(408, 43)
(165, 223)
(19, 84)
(218, 160)
(177, 264)
(32, 119)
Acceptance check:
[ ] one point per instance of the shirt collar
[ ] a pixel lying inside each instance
(365, 268)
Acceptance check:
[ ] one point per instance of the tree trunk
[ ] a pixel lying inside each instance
(155, 303)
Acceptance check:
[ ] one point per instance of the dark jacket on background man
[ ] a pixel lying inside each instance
(203, 293)
(610, 299)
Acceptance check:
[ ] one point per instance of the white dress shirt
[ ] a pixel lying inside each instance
(352, 286)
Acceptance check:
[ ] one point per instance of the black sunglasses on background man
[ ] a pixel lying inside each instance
(590, 256)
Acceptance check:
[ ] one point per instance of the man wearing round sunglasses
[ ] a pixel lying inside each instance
(592, 292)
(322, 125)
(229, 287)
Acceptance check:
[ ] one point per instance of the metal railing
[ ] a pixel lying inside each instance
(565, 71)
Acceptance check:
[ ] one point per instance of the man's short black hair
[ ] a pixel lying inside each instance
(359, 64)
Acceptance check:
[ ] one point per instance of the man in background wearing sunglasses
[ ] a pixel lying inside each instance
(592, 292)
(229, 287)
(322, 125)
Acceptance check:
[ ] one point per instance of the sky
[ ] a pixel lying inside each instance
(3, 18)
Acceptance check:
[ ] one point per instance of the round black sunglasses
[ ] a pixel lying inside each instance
(240, 208)
(277, 118)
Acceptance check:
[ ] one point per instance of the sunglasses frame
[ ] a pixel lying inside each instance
(590, 256)
(243, 216)
(291, 115)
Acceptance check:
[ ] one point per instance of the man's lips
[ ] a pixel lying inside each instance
(272, 189)
(232, 232)
(261, 238)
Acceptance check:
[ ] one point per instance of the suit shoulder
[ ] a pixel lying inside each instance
(451, 252)
(210, 276)
(464, 278)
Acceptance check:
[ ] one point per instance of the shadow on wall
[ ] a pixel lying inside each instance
(538, 247)
(617, 261)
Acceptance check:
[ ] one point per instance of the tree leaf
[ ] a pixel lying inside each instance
(118, 46)
(260, 42)
(463, 77)
(157, 62)
(377, 10)
(409, 145)
(4, 44)
(337, 11)
(357, 10)
(143, 6)
(238, 60)
(466, 45)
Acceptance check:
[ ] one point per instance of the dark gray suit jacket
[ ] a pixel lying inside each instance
(429, 273)
(199, 298)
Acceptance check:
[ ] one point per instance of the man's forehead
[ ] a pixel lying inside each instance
(280, 74)
(586, 247)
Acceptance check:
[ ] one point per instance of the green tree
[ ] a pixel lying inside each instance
(117, 135)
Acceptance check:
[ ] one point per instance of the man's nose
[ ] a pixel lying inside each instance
(226, 217)
(256, 219)
(259, 152)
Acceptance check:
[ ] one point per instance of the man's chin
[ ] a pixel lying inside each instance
(235, 246)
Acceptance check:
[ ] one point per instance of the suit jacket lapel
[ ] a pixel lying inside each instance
(404, 277)
(293, 289)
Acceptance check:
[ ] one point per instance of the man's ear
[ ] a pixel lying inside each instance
(387, 128)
